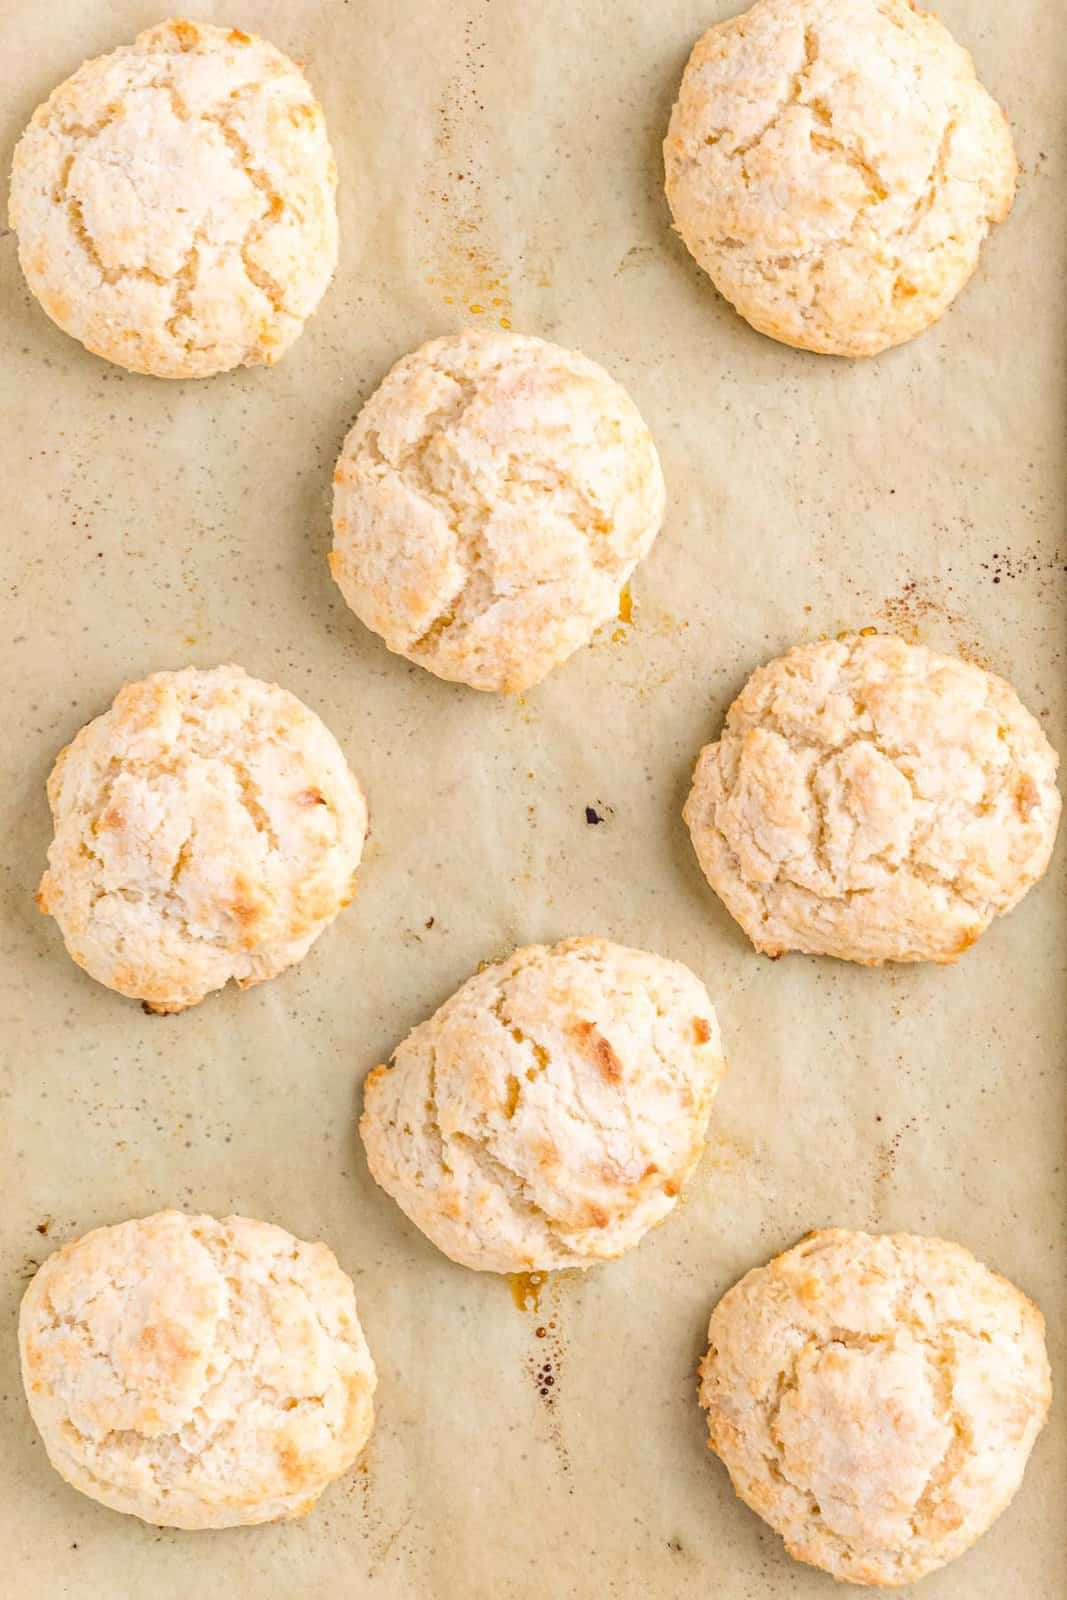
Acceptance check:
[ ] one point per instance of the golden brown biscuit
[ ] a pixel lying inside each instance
(875, 1399)
(174, 202)
(195, 1373)
(492, 499)
(875, 801)
(834, 166)
(207, 827)
(548, 1114)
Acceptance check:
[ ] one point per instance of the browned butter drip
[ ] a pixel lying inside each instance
(526, 1289)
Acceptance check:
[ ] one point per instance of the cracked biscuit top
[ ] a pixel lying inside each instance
(491, 501)
(873, 800)
(548, 1114)
(207, 827)
(834, 166)
(875, 1399)
(195, 1373)
(174, 202)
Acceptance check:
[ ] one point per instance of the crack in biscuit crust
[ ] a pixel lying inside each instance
(174, 202)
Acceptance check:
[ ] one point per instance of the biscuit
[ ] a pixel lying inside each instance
(834, 166)
(194, 1373)
(206, 827)
(174, 202)
(548, 1114)
(875, 1399)
(491, 501)
(875, 801)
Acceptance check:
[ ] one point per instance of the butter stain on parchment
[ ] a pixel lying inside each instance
(461, 266)
(540, 1297)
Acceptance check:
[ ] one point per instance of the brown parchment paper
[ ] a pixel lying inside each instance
(499, 162)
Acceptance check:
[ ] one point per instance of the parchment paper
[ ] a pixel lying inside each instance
(506, 156)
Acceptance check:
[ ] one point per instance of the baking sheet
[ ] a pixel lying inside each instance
(505, 156)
